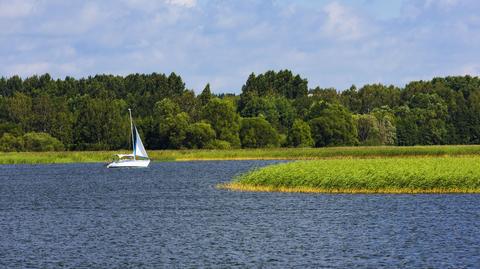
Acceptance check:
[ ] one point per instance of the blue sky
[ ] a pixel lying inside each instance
(331, 43)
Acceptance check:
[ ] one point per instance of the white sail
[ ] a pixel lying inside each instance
(129, 160)
(139, 149)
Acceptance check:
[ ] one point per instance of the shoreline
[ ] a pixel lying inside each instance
(239, 187)
(6, 161)
(247, 154)
(340, 170)
(451, 174)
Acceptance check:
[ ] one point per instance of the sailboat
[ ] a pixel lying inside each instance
(138, 158)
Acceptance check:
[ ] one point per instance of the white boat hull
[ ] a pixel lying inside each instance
(129, 163)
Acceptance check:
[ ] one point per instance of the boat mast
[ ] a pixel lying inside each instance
(131, 128)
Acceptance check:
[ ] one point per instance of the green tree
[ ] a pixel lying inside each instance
(282, 83)
(100, 124)
(174, 130)
(286, 114)
(157, 137)
(333, 126)
(257, 133)
(176, 86)
(302, 107)
(431, 113)
(264, 107)
(13, 85)
(19, 107)
(90, 113)
(368, 130)
(172, 124)
(329, 95)
(3, 87)
(11, 128)
(271, 83)
(187, 102)
(407, 128)
(9, 142)
(378, 95)
(41, 142)
(317, 109)
(51, 115)
(473, 112)
(300, 135)
(218, 144)
(166, 107)
(164, 113)
(422, 122)
(351, 100)
(224, 120)
(199, 135)
(206, 95)
(386, 125)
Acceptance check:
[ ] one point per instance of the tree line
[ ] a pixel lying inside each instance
(274, 109)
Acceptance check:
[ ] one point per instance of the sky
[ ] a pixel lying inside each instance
(331, 43)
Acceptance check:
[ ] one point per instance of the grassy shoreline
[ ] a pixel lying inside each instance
(235, 186)
(244, 154)
(387, 175)
(419, 169)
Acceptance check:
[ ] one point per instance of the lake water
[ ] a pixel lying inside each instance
(171, 215)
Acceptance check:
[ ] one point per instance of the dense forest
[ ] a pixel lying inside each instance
(274, 109)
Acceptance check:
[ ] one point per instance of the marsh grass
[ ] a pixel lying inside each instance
(392, 175)
(244, 154)
(320, 153)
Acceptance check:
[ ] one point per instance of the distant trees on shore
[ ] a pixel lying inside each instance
(274, 109)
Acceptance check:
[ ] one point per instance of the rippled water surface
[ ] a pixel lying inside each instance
(171, 215)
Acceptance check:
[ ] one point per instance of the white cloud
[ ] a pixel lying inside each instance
(86, 18)
(261, 31)
(341, 23)
(222, 42)
(167, 17)
(183, 3)
(28, 69)
(153, 5)
(470, 69)
(445, 4)
(426, 8)
(42, 67)
(15, 9)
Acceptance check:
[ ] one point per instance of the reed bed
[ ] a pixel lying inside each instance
(318, 153)
(244, 154)
(393, 175)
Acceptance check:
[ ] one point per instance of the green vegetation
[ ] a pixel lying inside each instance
(332, 124)
(246, 154)
(30, 142)
(258, 133)
(400, 175)
(55, 157)
(274, 109)
(300, 135)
